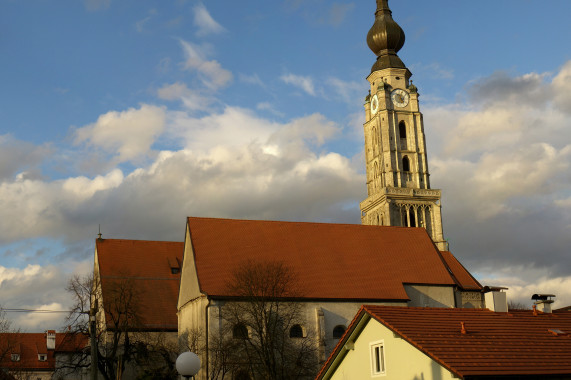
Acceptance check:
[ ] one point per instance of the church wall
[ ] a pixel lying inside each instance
(189, 287)
(430, 296)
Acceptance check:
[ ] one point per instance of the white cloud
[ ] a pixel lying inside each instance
(173, 91)
(129, 133)
(503, 162)
(251, 79)
(433, 70)
(267, 106)
(562, 88)
(16, 155)
(140, 25)
(349, 92)
(303, 82)
(338, 12)
(36, 287)
(211, 72)
(204, 21)
(524, 281)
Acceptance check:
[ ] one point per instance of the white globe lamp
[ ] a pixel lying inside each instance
(188, 364)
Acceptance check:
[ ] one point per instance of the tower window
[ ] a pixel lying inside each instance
(411, 218)
(402, 130)
(338, 331)
(405, 164)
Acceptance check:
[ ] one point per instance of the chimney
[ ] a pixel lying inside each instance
(51, 339)
(543, 302)
(496, 298)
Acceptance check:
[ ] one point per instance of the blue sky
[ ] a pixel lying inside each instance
(134, 114)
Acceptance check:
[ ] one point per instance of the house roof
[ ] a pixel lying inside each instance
(518, 343)
(331, 261)
(30, 345)
(147, 267)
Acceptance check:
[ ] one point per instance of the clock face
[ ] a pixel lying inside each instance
(374, 104)
(399, 97)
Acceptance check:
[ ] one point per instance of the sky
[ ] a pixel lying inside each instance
(130, 115)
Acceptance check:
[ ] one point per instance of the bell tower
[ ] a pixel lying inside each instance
(398, 181)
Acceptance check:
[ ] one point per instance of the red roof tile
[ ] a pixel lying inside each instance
(29, 345)
(147, 264)
(332, 261)
(496, 344)
(462, 276)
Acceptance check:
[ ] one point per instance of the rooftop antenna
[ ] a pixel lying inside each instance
(99, 234)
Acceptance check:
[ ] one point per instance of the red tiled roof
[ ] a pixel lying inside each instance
(496, 344)
(147, 265)
(29, 345)
(462, 276)
(331, 261)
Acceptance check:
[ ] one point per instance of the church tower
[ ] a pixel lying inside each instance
(398, 181)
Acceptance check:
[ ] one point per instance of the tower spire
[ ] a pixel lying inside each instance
(385, 38)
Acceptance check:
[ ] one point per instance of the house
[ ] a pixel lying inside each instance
(136, 291)
(40, 356)
(339, 267)
(437, 343)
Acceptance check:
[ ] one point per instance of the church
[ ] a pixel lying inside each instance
(397, 257)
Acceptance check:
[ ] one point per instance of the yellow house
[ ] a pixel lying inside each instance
(385, 343)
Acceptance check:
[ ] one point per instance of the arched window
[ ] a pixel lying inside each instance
(240, 331)
(405, 164)
(402, 130)
(338, 331)
(296, 331)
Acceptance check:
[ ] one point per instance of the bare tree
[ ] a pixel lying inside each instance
(267, 322)
(122, 339)
(9, 338)
(512, 305)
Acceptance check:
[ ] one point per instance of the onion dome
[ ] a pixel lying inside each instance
(385, 38)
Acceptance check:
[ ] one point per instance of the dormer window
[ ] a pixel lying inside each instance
(15, 357)
(42, 357)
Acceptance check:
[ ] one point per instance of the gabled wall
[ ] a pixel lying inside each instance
(402, 360)
(189, 286)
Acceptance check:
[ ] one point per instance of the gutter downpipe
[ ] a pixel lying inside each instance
(206, 309)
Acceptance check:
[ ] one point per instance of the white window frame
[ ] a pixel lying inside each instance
(378, 361)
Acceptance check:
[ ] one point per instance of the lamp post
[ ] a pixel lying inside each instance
(188, 364)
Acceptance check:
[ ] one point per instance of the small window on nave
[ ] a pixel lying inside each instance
(338, 331)
(296, 331)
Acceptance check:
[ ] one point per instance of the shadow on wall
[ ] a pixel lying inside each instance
(436, 370)
(421, 296)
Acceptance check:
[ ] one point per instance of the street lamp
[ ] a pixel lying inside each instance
(188, 364)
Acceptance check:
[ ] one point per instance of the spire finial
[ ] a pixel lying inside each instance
(385, 38)
(99, 235)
